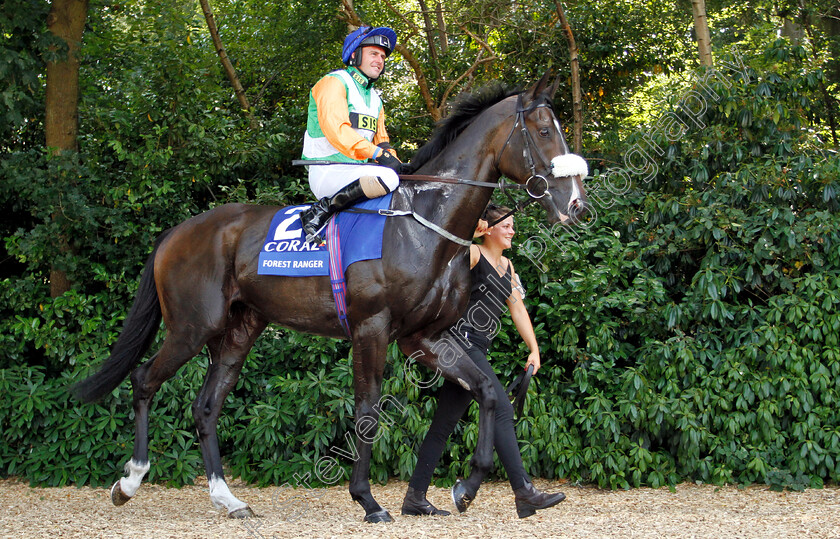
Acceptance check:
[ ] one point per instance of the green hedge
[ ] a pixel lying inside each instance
(689, 331)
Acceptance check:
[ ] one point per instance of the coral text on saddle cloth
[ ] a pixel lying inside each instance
(286, 253)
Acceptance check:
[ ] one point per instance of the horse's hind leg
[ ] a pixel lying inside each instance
(146, 380)
(445, 354)
(227, 355)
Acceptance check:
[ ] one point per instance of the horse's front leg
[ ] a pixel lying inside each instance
(368, 364)
(445, 355)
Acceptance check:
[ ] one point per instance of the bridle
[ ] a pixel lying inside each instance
(535, 191)
(530, 146)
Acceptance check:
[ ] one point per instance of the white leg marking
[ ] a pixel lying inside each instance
(136, 471)
(221, 496)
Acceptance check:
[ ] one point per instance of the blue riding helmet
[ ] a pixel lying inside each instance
(366, 35)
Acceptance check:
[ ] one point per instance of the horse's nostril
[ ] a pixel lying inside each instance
(577, 207)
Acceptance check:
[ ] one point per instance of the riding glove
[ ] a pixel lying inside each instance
(387, 159)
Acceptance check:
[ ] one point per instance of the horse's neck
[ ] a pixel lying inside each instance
(463, 205)
(464, 159)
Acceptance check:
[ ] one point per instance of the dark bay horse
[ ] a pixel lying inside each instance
(202, 280)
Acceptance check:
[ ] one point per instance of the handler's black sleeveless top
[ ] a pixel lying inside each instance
(488, 294)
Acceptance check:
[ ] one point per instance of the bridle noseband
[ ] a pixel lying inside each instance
(530, 146)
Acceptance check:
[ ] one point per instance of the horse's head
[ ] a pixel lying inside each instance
(535, 154)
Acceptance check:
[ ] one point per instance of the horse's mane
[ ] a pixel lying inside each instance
(464, 111)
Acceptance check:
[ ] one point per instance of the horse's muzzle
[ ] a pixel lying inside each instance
(568, 213)
(570, 168)
(576, 210)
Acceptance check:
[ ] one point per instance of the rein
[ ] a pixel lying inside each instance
(457, 181)
(535, 193)
(505, 188)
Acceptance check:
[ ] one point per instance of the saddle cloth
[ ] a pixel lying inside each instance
(286, 253)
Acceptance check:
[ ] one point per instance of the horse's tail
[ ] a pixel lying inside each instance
(139, 330)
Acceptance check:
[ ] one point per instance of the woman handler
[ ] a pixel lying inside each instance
(494, 282)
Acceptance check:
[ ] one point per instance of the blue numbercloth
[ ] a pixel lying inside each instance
(285, 253)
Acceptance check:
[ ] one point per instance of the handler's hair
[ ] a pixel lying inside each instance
(493, 212)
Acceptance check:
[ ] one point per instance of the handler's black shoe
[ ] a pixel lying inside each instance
(529, 500)
(416, 504)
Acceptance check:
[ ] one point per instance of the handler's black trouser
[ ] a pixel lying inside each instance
(453, 401)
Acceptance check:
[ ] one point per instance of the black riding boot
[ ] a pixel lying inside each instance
(416, 504)
(316, 216)
(529, 500)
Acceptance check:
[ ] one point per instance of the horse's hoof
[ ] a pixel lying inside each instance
(379, 516)
(244, 512)
(117, 495)
(461, 497)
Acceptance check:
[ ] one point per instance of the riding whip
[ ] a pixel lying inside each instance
(519, 388)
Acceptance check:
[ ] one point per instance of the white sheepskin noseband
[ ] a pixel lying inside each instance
(569, 165)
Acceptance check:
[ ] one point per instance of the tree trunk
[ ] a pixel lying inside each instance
(701, 28)
(830, 22)
(66, 21)
(832, 27)
(422, 82)
(226, 63)
(577, 104)
(792, 30)
(430, 38)
(442, 35)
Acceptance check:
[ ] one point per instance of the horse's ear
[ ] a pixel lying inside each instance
(539, 89)
(552, 90)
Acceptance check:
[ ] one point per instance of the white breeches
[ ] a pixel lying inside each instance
(326, 180)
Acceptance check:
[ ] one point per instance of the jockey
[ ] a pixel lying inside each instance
(346, 124)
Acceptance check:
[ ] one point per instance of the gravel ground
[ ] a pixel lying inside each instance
(156, 511)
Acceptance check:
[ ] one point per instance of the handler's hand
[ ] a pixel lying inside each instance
(533, 359)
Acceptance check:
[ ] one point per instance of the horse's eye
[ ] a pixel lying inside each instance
(544, 132)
